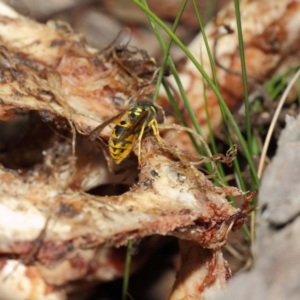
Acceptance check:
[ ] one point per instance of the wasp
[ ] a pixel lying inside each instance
(129, 128)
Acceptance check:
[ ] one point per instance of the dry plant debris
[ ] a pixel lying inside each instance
(52, 232)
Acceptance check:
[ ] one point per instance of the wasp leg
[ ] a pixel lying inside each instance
(154, 126)
(139, 139)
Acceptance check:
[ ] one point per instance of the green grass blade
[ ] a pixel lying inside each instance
(244, 72)
(210, 56)
(221, 173)
(167, 48)
(127, 270)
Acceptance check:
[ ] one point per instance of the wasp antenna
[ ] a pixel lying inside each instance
(129, 34)
(114, 41)
(154, 75)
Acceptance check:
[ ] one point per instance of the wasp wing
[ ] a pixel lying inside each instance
(135, 124)
(95, 133)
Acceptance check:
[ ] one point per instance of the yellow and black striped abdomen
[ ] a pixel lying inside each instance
(120, 148)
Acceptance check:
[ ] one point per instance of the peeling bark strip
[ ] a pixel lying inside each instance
(51, 69)
(178, 201)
